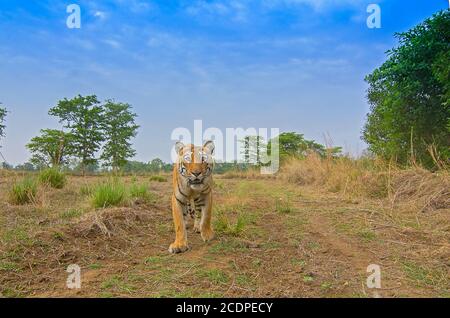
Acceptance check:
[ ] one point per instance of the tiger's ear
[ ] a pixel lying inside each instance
(209, 147)
(178, 147)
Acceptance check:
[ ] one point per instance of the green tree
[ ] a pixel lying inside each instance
(293, 144)
(119, 127)
(51, 148)
(156, 165)
(82, 115)
(409, 95)
(2, 120)
(27, 166)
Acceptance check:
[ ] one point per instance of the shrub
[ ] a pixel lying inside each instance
(24, 191)
(111, 193)
(53, 177)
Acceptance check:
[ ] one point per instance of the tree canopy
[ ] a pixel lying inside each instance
(82, 116)
(118, 127)
(409, 95)
(51, 148)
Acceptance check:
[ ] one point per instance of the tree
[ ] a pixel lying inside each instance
(51, 148)
(409, 95)
(2, 120)
(293, 144)
(27, 166)
(119, 127)
(82, 115)
(156, 165)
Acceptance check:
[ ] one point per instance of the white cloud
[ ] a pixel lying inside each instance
(113, 43)
(317, 5)
(100, 14)
(236, 10)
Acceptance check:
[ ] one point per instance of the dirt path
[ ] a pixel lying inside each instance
(273, 240)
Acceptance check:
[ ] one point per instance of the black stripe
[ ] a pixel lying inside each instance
(179, 201)
(206, 191)
(181, 192)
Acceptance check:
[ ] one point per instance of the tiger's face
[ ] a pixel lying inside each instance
(195, 163)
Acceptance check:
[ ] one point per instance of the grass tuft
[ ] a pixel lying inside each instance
(110, 193)
(140, 191)
(24, 191)
(52, 177)
(222, 224)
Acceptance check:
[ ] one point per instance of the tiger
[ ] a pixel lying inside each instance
(192, 193)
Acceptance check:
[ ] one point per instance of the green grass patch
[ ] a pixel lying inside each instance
(214, 275)
(71, 213)
(367, 235)
(52, 177)
(17, 235)
(24, 191)
(108, 194)
(115, 283)
(308, 279)
(425, 277)
(140, 191)
(9, 266)
(223, 224)
(283, 205)
(245, 280)
(58, 236)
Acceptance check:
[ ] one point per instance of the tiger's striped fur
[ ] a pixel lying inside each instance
(192, 197)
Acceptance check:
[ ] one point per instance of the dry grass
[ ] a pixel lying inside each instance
(250, 173)
(290, 226)
(415, 187)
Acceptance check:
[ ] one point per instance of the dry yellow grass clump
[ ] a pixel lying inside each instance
(365, 178)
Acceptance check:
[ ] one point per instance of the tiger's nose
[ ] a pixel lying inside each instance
(196, 173)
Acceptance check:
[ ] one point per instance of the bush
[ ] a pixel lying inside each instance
(111, 193)
(53, 177)
(24, 191)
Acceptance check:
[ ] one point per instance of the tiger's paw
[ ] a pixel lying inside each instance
(175, 248)
(207, 234)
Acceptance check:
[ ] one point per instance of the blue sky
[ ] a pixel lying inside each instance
(297, 65)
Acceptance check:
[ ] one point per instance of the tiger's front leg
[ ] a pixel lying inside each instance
(206, 230)
(180, 245)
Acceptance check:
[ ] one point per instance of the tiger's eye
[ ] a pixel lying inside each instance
(187, 158)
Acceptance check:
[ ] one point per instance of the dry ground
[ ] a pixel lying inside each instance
(273, 239)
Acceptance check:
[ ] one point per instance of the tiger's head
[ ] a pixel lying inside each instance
(195, 163)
